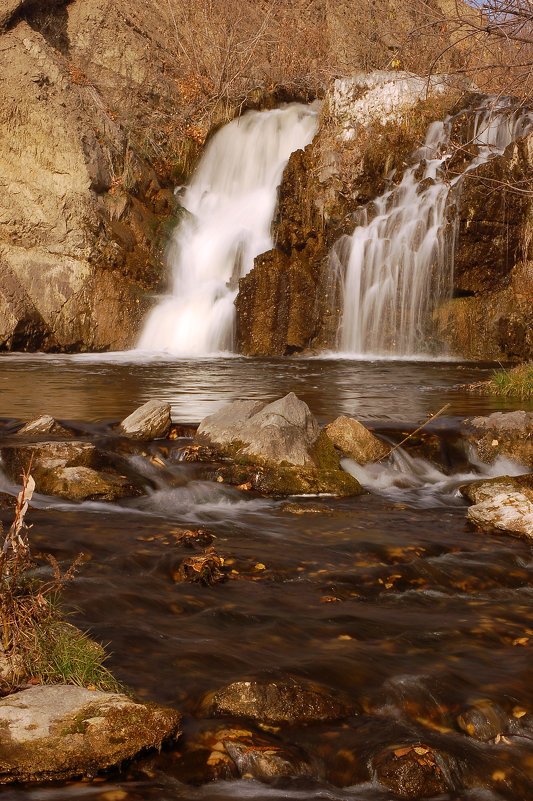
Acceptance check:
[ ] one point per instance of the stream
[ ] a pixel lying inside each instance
(388, 597)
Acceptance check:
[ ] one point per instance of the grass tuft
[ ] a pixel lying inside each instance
(516, 382)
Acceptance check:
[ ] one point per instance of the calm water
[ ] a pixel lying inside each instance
(388, 597)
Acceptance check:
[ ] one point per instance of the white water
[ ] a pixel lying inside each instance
(398, 264)
(227, 215)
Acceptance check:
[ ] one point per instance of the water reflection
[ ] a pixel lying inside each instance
(107, 387)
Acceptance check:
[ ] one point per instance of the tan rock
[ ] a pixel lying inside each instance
(355, 441)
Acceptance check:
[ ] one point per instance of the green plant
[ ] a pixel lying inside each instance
(514, 382)
(36, 641)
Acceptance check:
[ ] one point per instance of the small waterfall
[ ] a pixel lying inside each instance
(398, 264)
(227, 212)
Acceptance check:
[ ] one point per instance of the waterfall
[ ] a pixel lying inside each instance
(226, 216)
(398, 264)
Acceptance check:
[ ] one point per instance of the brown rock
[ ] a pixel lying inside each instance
(412, 771)
(352, 439)
(483, 720)
(43, 426)
(278, 701)
(503, 434)
(149, 421)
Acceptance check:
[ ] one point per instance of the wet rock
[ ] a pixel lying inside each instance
(503, 434)
(352, 439)
(483, 720)
(277, 448)
(412, 771)
(7, 502)
(309, 508)
(505, 512)
(43, 426)
(205, 568)
(484, 490)
(73, 470)
(150, 421)
(282, 481)
(284, 700)
(62, 732)
(229, 752)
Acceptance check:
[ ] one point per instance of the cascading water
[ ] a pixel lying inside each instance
(398, 264)
(227, 214)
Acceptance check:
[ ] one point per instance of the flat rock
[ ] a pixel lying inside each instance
(352, 439)
(43, 426)
(61, 732)
(150, 421)
(278, 701)
(503, 434)
(509, 512)
(485, 489)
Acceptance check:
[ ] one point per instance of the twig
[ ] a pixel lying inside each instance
(429, 420)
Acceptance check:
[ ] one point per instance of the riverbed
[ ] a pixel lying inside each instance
(389, 598)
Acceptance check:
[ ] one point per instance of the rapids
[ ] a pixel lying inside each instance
(388, 597)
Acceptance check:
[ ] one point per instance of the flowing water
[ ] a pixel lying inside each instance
(398, 264)
(389, 597)
(226, 214)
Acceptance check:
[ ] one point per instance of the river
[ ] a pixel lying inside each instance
(389, 597)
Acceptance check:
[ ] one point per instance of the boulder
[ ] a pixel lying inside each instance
(485, 489)
(43, 426)
(503, 434)
(74, 470)
(285, 700)
(412, 771)
(60, 732)
(509, 512)
(150, 421)
(276, 448)
(352, 439)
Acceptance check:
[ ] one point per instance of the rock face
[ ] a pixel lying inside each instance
(291, 300)
(277, 448)
(503, 434)
(352, 439)
(63, 732)
(282, 701)
(150, 421)
(80, 207)
(74, 470)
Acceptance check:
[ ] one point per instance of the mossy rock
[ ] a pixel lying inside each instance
(61, 732)
(283, 481)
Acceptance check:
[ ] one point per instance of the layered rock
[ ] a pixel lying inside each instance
(63, 732)
(502, 505)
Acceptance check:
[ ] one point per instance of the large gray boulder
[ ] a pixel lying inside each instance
(60, 732)
(149, 421)
(282, 431)
(275, 448)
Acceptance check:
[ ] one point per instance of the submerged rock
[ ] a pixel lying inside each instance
(503, 434)
(74, 470)
(352, 439)
(229, 752)
(412, 771)
(285, 700)
(483, 720)
(61, 732)
(276, 448)
(150, 421)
